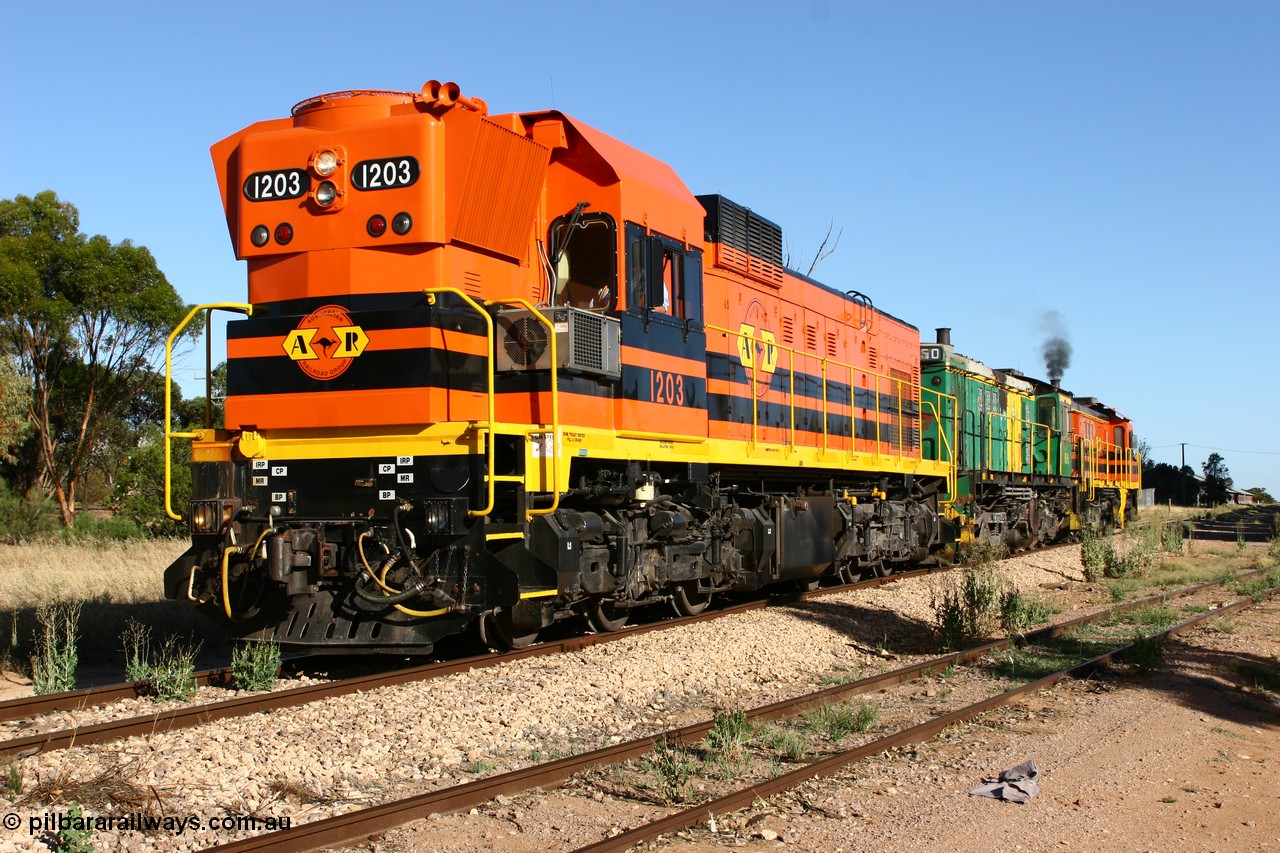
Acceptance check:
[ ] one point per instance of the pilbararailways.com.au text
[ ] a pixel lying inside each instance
(140, 822)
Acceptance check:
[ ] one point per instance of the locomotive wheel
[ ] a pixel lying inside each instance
(496, 631)
(877, 570)
(687, 601)
(848, 572)
(604, 618)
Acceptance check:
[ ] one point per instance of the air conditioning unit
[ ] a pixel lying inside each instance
(586, 341)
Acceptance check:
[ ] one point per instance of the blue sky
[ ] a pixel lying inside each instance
(1118, 162)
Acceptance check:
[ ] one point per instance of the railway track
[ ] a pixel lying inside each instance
(1248, 524)
(200, 714)
(357, 825)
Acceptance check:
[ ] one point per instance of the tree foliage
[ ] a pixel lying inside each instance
(1171, 484)
(84, 321)
(14, 426)
(1217, 479)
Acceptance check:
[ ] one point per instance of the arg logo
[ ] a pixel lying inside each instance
(757, 347)
(325, 343)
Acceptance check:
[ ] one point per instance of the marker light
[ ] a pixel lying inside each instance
(377, 225)
(326, 161)
(284, 233)
(401, 223)
(326, 193)
(260, 235)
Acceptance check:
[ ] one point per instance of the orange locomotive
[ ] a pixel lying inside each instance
(503, 370)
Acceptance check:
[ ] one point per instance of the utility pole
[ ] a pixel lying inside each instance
(1182, 473)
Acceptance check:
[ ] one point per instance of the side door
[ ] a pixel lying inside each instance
(664, 343)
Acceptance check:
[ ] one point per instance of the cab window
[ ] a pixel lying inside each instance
(584, 259)
(662, 276)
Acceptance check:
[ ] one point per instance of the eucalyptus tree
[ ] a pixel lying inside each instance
(84, 321)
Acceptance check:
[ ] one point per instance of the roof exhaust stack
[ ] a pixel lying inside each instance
(944, 335)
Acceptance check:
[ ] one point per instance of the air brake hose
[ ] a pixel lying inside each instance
(410, 591)
(226, 587)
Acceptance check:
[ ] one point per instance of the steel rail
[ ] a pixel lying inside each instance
(195, 715)
(78, 700)
(357, 825)
(915, 734)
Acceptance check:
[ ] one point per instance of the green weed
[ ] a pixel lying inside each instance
(137, 651)
(789, 741)
(172, 669)
(1157, 617)
(1146, 655)
(1257, 676)
(672, 764)
(255, 665)
(13, 781)
(1017, 612)
(53, 663)
(71, 839)
(968, 608)
(839, 721)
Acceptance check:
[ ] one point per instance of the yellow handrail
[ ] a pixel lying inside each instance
(792, 353)
(942, 434)
(555, 408)
(169, 434)
(491, 479)
(432, 293)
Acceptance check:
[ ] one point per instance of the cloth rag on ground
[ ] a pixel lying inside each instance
(1017, 785)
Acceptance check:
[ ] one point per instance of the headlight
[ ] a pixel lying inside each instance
(260, 235)
(326, 161)
(437, 517)
(212, 516)
(326, 193)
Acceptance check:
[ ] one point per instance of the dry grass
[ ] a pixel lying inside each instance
(114, 581)
(115, 573)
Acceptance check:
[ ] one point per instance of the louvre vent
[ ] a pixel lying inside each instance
(788, 330)
(833, 347)
(736, 226)
(811, 338)
(586, 342)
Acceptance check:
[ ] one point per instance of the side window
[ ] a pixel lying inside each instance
(1048, 414)
(662, 276)
(585, 258)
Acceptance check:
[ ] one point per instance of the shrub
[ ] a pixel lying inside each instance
(255, 665)
(672, 764)
(53, 662)
(1096, 552)
(137, 651)
(23, 519)
(967, 609)
(172, 670)
(1017, 612)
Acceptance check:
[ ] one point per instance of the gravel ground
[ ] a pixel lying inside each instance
(329, 757)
